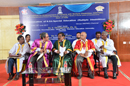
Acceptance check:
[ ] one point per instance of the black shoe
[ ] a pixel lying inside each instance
(95, 66)
(114, 76)
(11, 76)
(91, 76)
(106, 75)
(16, 77)
(79, 77)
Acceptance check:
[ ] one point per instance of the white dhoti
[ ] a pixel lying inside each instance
(104, 60)
(19, 63)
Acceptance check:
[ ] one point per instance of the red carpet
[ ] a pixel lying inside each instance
(85, 81)
(125, 68)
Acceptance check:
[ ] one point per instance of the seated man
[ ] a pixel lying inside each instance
(84, 49)
(97, 44)
(107, 52)
(59, 59)
(16, 55)
(78, 38)
(43, 45)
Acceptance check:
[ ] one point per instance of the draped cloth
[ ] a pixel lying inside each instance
(73, 8)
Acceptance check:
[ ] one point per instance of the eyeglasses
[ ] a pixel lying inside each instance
(47, 37)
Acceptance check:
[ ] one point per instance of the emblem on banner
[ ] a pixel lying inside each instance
(24, 11)
(99, 8)
(60, 10)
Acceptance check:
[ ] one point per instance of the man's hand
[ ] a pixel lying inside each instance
(102, 46)
(41, 51)
(19, 55)
(65, 52)
(114, 52)
(58, 52)
(102, 52)
(45, 51)
(86, 53)
(82, 55)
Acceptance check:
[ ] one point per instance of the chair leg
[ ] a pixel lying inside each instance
(117, 71)
(98, 72)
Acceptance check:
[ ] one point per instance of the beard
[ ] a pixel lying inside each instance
(98, 37)
(78, 37)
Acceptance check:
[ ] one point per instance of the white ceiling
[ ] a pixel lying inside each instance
(14, 3)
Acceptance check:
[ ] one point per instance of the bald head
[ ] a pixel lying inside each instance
(83, 35)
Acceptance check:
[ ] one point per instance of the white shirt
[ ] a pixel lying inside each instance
(83, 50)
(109, 46)
(97, 43)
(57, 50)
(74, 43)
(21, 51)
(30, 42)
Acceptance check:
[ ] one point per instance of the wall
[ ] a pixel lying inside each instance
(9, 17)
(120, 13)
(7, 34)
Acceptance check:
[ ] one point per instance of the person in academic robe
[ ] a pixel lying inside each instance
(97, 44)
(108, 52)
(78, 38)
(59, 59)
(43, 45)
(16, 56)
(84, 49)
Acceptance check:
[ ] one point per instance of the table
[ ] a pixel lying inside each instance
(47, 70)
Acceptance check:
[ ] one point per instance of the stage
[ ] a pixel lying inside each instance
(123, 78)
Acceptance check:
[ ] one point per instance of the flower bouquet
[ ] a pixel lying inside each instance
(108, 26)
(20, 28)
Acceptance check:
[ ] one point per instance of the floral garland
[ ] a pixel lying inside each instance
(20, 28)
(108, 26)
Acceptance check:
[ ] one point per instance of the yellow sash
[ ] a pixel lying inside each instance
(95, 41)
(18, 60)
(105, 50)
(60, 60)
(44, 56)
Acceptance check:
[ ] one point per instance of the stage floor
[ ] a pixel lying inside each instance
(122, 80)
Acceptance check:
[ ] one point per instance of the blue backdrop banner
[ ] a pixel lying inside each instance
(68, 19)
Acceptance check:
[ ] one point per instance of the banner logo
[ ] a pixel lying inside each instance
(60, 10)
(99, 8)
(24, 12)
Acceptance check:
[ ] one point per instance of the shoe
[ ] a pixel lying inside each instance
(114, 76)
(16, 77)
(11, 76)
(106, 75)
(91, 76)
(95, 66)
(79, 77)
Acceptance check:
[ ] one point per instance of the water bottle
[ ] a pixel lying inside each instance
(30, 67)
(65, 66)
